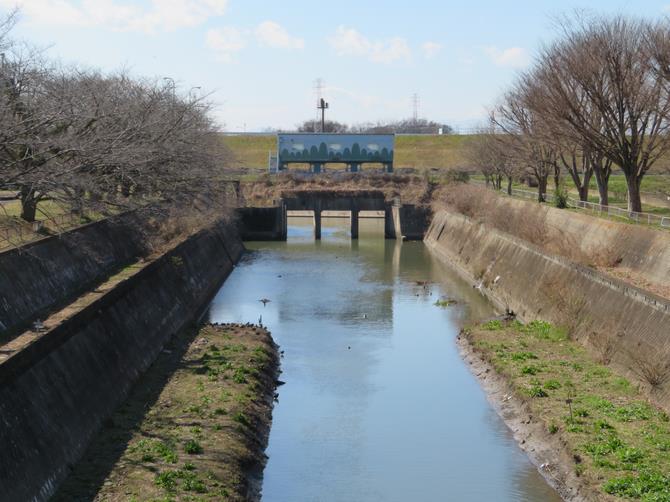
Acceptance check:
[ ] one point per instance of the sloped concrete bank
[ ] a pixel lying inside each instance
(40, 276)
(643, 250)
(623, 326)
(55, 393)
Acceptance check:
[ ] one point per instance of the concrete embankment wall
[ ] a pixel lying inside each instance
(262, 223)
(56, 393)
(621, 324)
(43, 275)
(410, 222)
(643, 250)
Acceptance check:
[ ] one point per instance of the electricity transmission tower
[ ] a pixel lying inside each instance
(415, 107)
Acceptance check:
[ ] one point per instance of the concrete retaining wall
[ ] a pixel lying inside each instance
(644, 250)
(45, 274)
(55, 394)
(410, 222)
(262, 223)
(627, 326)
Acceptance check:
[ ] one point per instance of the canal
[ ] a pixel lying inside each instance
(377, 404)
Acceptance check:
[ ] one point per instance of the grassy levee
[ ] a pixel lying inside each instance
(418, 152)
(194, 427)
(618, 442)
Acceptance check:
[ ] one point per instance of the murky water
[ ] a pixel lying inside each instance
(377, 405)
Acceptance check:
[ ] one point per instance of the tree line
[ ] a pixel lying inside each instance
(594, 101)
(91, 140)
(405, 126)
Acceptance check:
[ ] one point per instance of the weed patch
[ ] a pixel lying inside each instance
(622, 441)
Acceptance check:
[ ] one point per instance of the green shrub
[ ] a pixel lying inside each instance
(561, 197)
(537, 391)
(192, 447)
(552, 385)
(494, 325)
(167, 480)
(523, 356)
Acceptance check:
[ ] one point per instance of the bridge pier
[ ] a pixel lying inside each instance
(317, 224)
(354, 223)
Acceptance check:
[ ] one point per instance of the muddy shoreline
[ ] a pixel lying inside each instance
(546, 451)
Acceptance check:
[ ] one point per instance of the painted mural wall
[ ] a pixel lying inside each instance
(335, 148)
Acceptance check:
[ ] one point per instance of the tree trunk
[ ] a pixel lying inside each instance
(583, 193)
(634, 201)
(557, 178)
(28, 204)
(602, 181)
(602, 169)
(542, 188)
(509, 185)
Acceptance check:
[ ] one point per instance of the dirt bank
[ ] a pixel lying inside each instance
(544, 450)
(588, 430)
(194, 427)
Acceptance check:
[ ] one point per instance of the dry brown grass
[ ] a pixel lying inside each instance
(486, 207)
(267, 190)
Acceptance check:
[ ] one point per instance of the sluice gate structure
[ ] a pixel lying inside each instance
(401, 221)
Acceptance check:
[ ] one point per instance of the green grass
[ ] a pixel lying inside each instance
(192, 444)
(419, 152)
(621, 440)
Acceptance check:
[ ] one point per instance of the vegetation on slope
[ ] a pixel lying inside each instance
(618, 441)
(418, 152)
(194, 428)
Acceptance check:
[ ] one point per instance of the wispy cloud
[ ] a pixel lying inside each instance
(160, 15)
(228, 41)
(349, 42)
(225, 42)
(271, 34)
(512, 57)
(430, 49)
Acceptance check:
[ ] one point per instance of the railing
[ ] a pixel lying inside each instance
(648, 218)
(645, 218)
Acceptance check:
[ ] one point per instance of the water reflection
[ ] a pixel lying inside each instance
(377, 403)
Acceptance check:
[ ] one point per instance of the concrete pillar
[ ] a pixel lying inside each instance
(317, 224)
(354, 223)
(389, 225)
(284, 222)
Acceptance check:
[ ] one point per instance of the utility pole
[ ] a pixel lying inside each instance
(323, 106)
(318, 91)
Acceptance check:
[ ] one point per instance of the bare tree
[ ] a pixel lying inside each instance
(601, 86)
(491, 153)
(331, 126)
(526, 132)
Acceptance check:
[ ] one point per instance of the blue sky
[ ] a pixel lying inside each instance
(259, 59)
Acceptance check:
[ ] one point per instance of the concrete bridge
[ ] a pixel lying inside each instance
(270, 223)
